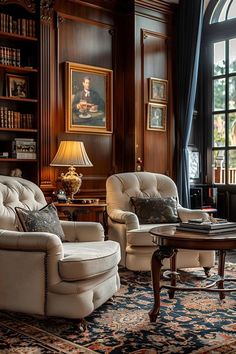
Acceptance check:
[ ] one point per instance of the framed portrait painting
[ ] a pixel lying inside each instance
(88, 98)
(157, 90)
(156, 116)
(17, 86)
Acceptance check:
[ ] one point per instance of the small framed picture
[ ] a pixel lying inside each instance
(156, 117)
(17, 86)
(157, 90)
(194, 164)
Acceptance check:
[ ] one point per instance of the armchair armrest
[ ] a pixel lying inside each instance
(82, 231)
(125, 217)
(33, 244)
(186, 214)
(31, 241)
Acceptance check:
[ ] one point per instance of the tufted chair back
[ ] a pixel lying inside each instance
(134, 238)
(121, 187)
(17, 192)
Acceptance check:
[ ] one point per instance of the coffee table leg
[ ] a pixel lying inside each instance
(174, 274)
(221, 269)
(156, 264)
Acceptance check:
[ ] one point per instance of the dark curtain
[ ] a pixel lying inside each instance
(189, 29)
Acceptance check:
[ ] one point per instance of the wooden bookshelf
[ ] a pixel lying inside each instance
(19, 101)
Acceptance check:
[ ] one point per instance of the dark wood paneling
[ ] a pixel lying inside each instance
(107, 34)
(155, 65)
(81, 34)
(154, 33)
(92, 46)
(92, 43)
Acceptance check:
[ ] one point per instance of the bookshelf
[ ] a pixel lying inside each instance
(19, 86)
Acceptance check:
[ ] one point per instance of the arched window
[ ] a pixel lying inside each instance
(223, 11)
(220, 59)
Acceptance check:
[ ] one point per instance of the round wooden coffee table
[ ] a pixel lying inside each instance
(169, 241)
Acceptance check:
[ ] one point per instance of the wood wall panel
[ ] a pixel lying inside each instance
(81, 34)
(154, 62)
(92, 45)
(153, 59)
(131, 38)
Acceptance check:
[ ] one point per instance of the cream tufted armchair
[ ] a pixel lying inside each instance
(40, 274)
(134, 238)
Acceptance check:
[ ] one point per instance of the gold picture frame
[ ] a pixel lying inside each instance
(156, 117)
(17, 86)
(158, 90)
(89, 102)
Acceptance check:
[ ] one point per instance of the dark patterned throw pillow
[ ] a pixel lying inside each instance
(42, 220)
(155, 210)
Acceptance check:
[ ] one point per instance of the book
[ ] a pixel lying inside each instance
(208, 225)
(24, 139)
(25, 155)
(207, 231)
(4, 154)
(200, 221)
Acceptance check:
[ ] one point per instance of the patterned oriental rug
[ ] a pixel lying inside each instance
(193, 322)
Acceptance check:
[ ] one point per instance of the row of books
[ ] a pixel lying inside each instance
(13, 119)
(10, 56)
(23, 148)
(22, 26)
(207, 227)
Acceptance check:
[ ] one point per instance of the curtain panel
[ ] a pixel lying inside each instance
(189, 30)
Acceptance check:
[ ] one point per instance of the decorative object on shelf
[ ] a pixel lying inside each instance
(71, 153)
(156, 117)
(158, 90)
(16, 172)
(88, 98)
(17, 86)
(61, 196)
(24, 148)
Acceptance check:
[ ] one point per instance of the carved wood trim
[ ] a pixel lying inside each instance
(28, 5)
(157, 5)
(64, 16)
(104, 5)
(46, 10)
(147, 33)
(47, 104)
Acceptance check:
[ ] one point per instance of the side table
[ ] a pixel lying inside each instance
(83, 212)
(169, 240)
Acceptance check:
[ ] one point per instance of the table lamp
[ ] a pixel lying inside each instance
(71, 153)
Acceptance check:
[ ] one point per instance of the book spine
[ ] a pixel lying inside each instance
(25, 155)
(1, 117)
(18, 57)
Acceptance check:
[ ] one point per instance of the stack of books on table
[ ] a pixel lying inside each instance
(207, 227)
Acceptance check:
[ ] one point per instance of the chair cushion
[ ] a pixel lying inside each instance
(87, 259)
(42, 220)
(155, 210)
(142, 236)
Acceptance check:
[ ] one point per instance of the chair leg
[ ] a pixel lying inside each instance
(207, 271)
